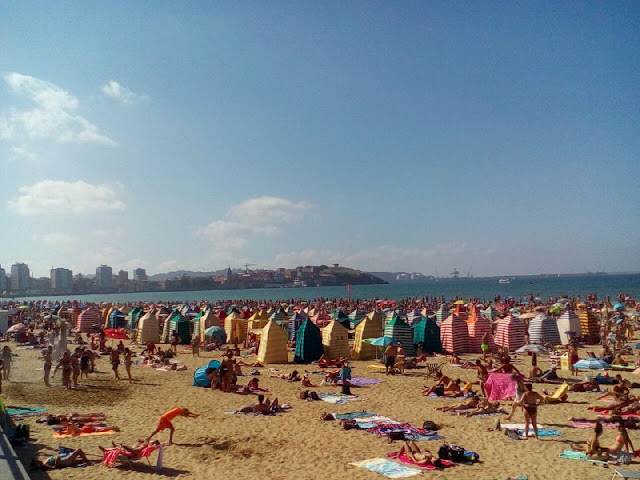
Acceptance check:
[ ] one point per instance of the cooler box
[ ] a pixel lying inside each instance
(564, 362)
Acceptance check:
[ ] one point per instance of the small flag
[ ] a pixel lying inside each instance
(349, 287)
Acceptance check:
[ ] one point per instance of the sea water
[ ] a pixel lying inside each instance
(483, 288)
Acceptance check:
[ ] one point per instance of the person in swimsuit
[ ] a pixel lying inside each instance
(411, 450)
(75, 366)
(594, 450)
(6, 360)
(483, 407)
(62, 461)
(71, 428)
(485, 346)
(623, 442)
(573, 358)
(65, 364)
(472, 403)
(85, 363)
(535, 371)
(390, 358)
(47, 355)
(530, 401)
(165, 421)
(520, 391)
(115, 361)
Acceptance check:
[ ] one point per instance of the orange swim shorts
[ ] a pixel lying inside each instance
(164, 424)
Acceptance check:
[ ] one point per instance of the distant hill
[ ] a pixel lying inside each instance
(355, 277)
(402, 277)
(160, 277)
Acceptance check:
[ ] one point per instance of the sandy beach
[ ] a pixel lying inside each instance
(295, 444)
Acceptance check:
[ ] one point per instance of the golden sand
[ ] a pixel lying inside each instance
(296, 444)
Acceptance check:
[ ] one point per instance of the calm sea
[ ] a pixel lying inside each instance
(483, 288)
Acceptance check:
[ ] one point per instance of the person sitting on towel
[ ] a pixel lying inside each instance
(135, 450)
(438, 388)
(266, 407)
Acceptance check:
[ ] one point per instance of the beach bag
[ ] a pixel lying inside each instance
(624, 458)
(314, 396)
(303, 394)
(396, 436)
(348, 424)
(430, 426)
(471, 456)
(452, 452)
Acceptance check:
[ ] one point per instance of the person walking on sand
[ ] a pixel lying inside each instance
(65, 364)
(195, 346)
(6, 360)
(47, 355)
(530, 402)
(165, 421)
(127, 363)
(75, 366)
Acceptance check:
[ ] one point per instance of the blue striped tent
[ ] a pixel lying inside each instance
(308, 343)
(294, 324)
(543, 329)
(442, 314)
(427, 332)
(398, 329)
(356, 317)
(117, 319)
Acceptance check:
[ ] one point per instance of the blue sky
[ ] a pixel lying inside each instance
(496, 137)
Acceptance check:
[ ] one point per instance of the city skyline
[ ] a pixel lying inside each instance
(384, 137)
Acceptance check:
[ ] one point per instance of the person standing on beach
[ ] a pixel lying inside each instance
(75, 366)
(390, 358)
(6, 360)
(195, 345)
(48, 363)
(530, 402)
(127, 363)
(175, 339)
(65, 364)
(115, 361)
(165, 421)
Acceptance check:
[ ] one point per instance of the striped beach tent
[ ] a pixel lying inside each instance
(117, 319)
(589, 324)
(208, 319)
(273, 344)
(183, 326)
(442, 314)
(148, 328)
(478, 326)
(196, 325)
(454, 335)
(280, 316)
(258, 320)
(166, 326)
(335, 340)
(294, 324)
(342, 318)
(491, 313)
(236, 328)
(427, 332)
(378, 319)
(88, 321)
(568, 322)
(414, 316)
(72, 315)
(133, 316)
(510, 332)
(543, 329)
(321, 319)
(367, 328)
(356, 317)
(398, 329)
(308, 343)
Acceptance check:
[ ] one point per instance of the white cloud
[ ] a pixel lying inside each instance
(21, 153)
(58, 239)
(57, 197)
(52, 117)
(167, 266)
(122, 94)
(269, 211)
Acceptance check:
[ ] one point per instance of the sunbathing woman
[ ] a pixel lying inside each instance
(594, 450)
(586, 386)
(70, 428)
(623, 442)
(136, 449)
(530, 402)
(471, 403)
(483, 407)
(411, 450)
(76, 418)
(453, 389)
(618, 391)
(74, 458)
(306, 382)
(438, 387)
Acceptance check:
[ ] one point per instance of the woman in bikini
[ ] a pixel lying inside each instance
(623, 442)
(127, 363)
(411, 450)
(65, 364)
(115, 361)
(472, 403)
(594, 450)
(530, 402)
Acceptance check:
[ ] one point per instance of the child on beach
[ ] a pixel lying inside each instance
(165, 421)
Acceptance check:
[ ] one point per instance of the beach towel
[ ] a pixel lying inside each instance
(573, 455)
(499, 386)
(337, 398)
(110, 455)
(542, 432)
(361, 381)
(68, 435)
(25, 411)
(387, 468)
(462, 395)
(405, 459)
(352, 415)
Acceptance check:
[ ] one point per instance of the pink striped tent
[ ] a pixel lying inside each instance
(454, 335)
(510, 332)
(87, 321)
(477, 326)
(73, 313)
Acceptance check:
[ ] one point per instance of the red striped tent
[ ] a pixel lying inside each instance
(510, 332)
(87, 321)
(454, 335)
(321, 319)
(73, 314)
(477, 326)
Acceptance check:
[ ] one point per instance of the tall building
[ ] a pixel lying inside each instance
(122, 278)
(61, 280)
(3, 280)
(19, 277)
(140, 274)
(104, 277)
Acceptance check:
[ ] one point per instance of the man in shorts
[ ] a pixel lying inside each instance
(390, 358)
(165, 421)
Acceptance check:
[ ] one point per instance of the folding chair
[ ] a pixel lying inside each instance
(433, 369)
(625, 474)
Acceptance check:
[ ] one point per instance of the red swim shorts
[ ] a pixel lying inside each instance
(164, 424)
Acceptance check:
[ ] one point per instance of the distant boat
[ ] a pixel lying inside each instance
(297, 283)
(504, 280)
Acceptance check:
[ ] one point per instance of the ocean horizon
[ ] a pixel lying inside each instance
(483, 288)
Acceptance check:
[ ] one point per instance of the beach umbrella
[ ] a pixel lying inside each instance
(18, 327)
(215, 332)
(591, 364)
(555, 309)
(534, 348)
(529, 315)
(115, 334)
(380, 341)
(618, 306)
(637, 346)
(459, 302)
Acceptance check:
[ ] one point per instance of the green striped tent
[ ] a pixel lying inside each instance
(308, 343)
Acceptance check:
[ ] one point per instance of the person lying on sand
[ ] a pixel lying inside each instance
(136, 449)
(482, 408)
(590, 385)
(72, 428)
(471, 403)
(291, 377)
(411, 450)
(264, 406)
(443, 380)
(74, 417)
(74, 458)
(306, 382)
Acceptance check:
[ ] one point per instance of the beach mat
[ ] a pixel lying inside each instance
(405, 459)
(361, 381)
(352, 415)
(70, 435)
(573, 455)
(387, 468)
(26, 411)
(591, 424)
(338, 398)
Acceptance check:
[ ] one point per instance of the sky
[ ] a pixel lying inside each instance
(498, 138)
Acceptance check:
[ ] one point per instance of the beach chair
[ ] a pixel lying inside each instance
(626, 474)
(433, 369)
(111, 455)
(556, 397)
(592, 355)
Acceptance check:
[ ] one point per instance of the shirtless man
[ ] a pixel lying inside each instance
(48, 363)
(390, 358)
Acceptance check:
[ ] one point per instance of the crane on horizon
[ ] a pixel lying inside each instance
(247, 265)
